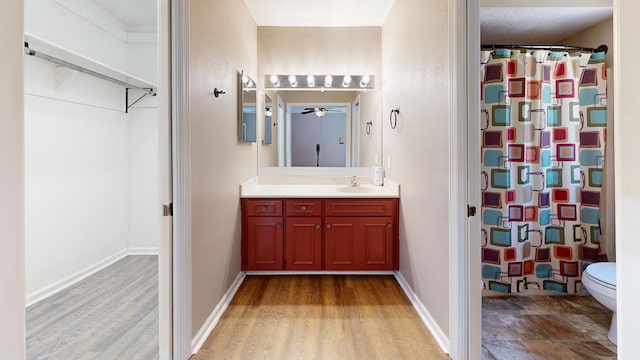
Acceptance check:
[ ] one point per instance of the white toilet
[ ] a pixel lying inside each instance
(600, 280)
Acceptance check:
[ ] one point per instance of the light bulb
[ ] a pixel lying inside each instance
(274, 80)
(328, 81)
(364, 81)
(346, 80)
(268, 112)
(292, 80)
(311, 81)
(320, 112)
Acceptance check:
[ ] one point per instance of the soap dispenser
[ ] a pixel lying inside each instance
(378, 175)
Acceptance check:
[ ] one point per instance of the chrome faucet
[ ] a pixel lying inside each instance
(354, 182)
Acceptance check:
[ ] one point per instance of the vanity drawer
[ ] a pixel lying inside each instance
(263, 207)
(303, 207)
(359, 207)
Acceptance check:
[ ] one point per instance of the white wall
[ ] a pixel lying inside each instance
(142, 50)
(143, 193)
(415, 68)
(65, 23)
(12, 331)
(627, 77)
(223, 40)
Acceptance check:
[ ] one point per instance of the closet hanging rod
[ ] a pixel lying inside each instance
(31, 52)
(601, 48)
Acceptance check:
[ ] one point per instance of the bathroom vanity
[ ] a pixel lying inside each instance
(316, 227)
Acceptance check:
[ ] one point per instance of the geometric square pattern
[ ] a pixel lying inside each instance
(544, 124)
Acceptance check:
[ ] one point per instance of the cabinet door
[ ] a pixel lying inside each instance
(376, 243)
(303, 243)
(359, 243)
(339, 243)
(264, 243)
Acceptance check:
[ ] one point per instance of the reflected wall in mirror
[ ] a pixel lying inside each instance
(323, 129)
(268, 120)
(246, 108)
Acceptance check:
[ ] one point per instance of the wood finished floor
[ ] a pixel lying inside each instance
(112, 314)
(545, 327)
(320, 317)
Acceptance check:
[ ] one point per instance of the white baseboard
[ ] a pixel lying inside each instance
(439, 335)
(73, 278)
(216, 314)
(143, 251)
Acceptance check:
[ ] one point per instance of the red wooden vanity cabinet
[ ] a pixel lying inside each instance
(320, 234)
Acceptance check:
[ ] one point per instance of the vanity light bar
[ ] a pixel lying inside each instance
(321, 82)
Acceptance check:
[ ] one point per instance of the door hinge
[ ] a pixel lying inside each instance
(471, 211)
(167, 209)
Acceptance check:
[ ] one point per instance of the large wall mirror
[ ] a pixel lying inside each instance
(246, 108)
(313, 128)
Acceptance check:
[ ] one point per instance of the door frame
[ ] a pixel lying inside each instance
(181, 164)
(465, 317)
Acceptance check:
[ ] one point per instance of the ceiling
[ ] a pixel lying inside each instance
(330, 13)
(539, 25)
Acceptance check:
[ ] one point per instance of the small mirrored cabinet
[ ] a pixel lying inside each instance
(268, 119)
(246, 108)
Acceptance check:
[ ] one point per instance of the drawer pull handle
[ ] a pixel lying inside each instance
(264, 208)
(389, 226)
(317, 226)
(328, 226)
(303, 208)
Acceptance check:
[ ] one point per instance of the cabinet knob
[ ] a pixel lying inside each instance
(264, 208)
(278, 226)
(303, 208)
(317, 226)
(389, 226)
(328, 226)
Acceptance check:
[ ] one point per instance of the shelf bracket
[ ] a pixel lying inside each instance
(127, 106)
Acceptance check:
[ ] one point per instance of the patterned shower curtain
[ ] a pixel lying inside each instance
(543, 121)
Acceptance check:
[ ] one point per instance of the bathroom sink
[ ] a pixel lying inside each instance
(356, 189)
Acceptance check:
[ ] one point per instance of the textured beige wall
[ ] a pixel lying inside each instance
(415, 69)
(12, 330)
(593, 37)
(627, 78)
(223, 41)
(319, 50)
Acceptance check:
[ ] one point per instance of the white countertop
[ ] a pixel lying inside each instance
(316, 187)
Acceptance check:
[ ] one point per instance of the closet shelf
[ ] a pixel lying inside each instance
(42, 49)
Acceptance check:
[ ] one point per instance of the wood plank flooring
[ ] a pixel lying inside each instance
(112, 314)
(545, 327)
(320, 317)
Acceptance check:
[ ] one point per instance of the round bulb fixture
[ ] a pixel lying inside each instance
(292, 80)
(346, 81)
(311, 81)
(267, 112)
(245, 79)
(320, 112)
(364, 81)
(274, 80)
(328, 81)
